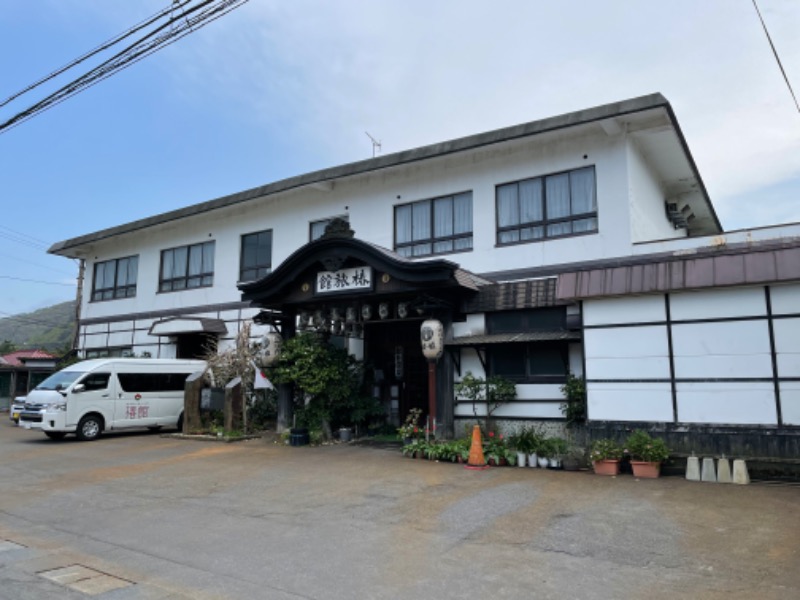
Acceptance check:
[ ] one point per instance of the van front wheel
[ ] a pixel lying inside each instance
(89, 428)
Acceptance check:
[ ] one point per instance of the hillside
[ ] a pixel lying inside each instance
(48, 328)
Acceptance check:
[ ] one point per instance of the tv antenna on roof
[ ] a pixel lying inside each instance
(376, 145)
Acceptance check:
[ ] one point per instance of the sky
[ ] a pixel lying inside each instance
(275, 89)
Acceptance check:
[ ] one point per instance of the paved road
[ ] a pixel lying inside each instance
(140, 516)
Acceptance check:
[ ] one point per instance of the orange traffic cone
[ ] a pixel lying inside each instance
(476, 460)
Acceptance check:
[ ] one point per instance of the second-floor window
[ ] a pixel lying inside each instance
(256, 258)
(317, 228)
(187, 267)
(545, 207)
(436, 226)
(115, 278)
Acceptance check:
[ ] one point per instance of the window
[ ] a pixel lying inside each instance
(120, 351)
(152, 382)
(546, 207)
(318, 227)
(256, 255)
(115, 278)
(538, 362)
(95, 381)
(436, 226)
(187, 267)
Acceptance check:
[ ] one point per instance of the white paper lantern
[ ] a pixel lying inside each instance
(270, 348)
(432, 338)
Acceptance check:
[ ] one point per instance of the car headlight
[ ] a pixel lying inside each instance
(56, 406)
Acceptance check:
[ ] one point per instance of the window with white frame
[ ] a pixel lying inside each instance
(115, 278)
(256, 260)
(435, 226)
(544, 207)
(187, 267)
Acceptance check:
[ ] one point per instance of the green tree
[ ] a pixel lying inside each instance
(326, 381)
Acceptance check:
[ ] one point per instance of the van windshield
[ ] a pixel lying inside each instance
(60, 380)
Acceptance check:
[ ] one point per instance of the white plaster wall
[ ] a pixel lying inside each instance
(721, 350)
(627, 353)
(629, 402)
(628, 309)
(785, 299)
(790, 402)
(475, 324)
(787, 346)
(736, 403)
(470, 362)
(718, 303)
(646, 198)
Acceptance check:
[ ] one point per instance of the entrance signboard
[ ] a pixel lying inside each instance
(344, 280)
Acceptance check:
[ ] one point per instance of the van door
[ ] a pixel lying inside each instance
(132, 405)
(94, 392)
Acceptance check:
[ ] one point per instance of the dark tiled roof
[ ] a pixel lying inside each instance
(534, 293)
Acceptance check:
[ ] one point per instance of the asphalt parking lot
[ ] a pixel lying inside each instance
(139, 515)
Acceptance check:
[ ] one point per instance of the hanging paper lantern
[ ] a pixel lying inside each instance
(432, 338)
(270, 348)
(383, 310)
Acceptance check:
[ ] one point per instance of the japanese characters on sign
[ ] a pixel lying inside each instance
(343, 280)
(136, 411)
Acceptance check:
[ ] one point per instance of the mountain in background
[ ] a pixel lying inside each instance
(50, 328)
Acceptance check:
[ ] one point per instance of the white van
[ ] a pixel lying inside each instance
(106, 394)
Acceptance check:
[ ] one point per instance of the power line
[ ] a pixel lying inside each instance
(777, 58)
(104, 46)
(36, 281)
(30, 262)
(207, 12)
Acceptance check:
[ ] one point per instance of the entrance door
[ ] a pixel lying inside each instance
(195, 345)
(394, 349)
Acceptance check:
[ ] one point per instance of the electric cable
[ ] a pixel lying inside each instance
(131, 55)
(777, 58)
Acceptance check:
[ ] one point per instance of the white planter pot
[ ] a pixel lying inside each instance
(555, 463)
(521, 457)
(532, 461)
(543, 462)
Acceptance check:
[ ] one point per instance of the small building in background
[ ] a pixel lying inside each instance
(21, 371)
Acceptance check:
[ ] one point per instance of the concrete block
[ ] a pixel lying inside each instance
(708, 472)
(724, 470)
(740, 474)
(693, 468)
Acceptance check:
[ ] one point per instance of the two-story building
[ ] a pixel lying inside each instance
(582, 243)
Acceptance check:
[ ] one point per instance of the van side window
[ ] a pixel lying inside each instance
(152, 382)
(96, 381)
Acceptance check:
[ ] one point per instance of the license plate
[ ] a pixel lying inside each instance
(15, 416)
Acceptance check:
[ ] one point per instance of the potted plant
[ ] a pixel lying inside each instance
(558, 448)
(544, 452)
(410, 430)
(605, 455)
(647, 453)
(496, 450)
